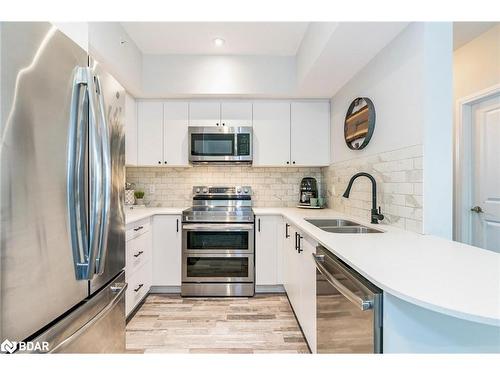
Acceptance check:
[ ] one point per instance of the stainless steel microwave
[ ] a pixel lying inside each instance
(222, 144)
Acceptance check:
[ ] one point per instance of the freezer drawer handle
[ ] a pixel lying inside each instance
(138, 228)
(136, 255)
(119, 289)
(361, 303)
(138, 288)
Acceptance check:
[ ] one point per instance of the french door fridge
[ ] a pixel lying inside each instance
(62, 227)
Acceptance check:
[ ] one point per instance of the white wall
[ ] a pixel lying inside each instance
(438, 129)
(476, 65)
(122, 60)
(77, 31)
(393, 80)
(409, 82)
(186, 75)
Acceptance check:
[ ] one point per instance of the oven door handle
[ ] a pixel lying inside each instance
(217, 227)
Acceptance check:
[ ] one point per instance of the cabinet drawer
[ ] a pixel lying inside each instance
(138, 252)
(137, 228)
(138, 286)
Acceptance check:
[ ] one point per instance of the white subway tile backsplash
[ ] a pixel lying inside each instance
(399, 178)
(272, 187)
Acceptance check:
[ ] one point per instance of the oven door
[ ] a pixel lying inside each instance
(206, 238)
(224, 268)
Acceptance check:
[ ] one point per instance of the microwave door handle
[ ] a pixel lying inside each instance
(361, 303)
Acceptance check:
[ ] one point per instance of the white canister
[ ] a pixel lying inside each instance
(129, 197)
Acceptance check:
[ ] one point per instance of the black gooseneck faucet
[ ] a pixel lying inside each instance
(376, 214)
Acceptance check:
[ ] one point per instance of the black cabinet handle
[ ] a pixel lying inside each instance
(177, 225)
(287, 235)
(288, 162)
(296, 241)
(136, 255)
(293, 162)
(223, 124)
(299, 250)
(138, 228)
(258, 226)
(138, 288)
(165, 162)
(217, 123)
(159, 162)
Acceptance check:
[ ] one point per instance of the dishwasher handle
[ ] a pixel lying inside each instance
(361, 303)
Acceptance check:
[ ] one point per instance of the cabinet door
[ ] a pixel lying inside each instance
(265, 250)
(271, 133)
(307, 278)
(310, 133)
(167, 250)
(150, 133)
(236, 113)
(130, 131)
(175, 133)
(204, 113)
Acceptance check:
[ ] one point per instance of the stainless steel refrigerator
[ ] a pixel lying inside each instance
(62, 183)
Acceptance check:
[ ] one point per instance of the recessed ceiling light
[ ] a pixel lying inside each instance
(219, 42)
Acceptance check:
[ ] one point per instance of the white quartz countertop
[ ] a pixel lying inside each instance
(441, 275)
(139, 213)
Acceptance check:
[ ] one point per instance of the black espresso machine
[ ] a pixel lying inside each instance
(308, 190)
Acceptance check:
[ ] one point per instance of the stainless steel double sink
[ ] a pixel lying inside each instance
(341, 226)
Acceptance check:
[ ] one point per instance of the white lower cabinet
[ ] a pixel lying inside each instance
(268, 258)
(137, 263)
(167, 250)
(300, 280)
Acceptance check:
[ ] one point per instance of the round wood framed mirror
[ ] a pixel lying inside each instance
(359, 123)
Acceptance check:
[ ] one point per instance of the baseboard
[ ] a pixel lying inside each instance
(269, 289)
(165, 289)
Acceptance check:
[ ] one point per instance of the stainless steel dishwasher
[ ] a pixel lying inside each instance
(348, 308)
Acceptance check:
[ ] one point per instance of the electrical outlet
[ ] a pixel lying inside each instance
(151, 189)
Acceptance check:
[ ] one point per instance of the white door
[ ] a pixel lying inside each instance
(175, 133)
(150, 133)
(167, 250)
(486, 175)
(310, 133)
(130, 131)
(265, 250)
(204, 113)
(271, 133)
(236, 113)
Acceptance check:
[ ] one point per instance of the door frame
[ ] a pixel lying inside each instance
(463, 199)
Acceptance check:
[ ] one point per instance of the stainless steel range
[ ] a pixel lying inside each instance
(218, 243)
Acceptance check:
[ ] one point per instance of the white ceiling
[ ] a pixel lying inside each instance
(196, 38)
(464, 32)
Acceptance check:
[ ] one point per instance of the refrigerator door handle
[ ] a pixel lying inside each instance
(83, 244)
(119, 289)
(105, 148)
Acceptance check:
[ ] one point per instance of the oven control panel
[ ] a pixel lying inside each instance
(222, 190)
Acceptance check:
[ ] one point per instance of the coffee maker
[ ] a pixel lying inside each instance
(308, 190)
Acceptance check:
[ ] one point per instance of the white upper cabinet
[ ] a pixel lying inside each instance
(130, 130)
(237, 113)
(271, 133)
(175, 133)
(150, 133)
(204, 113)
(310, 133)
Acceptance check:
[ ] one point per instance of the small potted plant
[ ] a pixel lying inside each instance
(139, 197)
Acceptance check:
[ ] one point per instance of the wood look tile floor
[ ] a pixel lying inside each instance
(170, 324)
